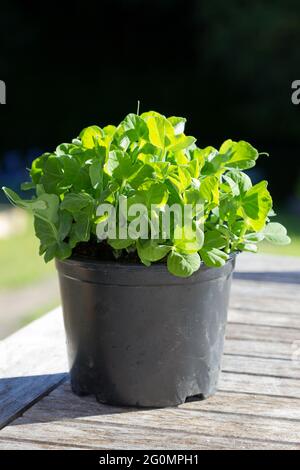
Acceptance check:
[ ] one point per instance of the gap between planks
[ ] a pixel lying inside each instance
(254, 338)
(50, 328)
(84, 421)
(208, 443)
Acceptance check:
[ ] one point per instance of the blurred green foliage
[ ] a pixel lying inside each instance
(20, 263)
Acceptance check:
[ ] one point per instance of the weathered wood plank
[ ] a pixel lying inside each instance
(255, 405)
(57, 404)
(36, 361)
(261, 366)
(263, 287)
(259, 385)
(249, 262)
(85, 422)
(255, 317)
(41, 358)
(265, 277)
(235, 402)
(269, 277)
(262, 333)
(115, 438)
(255, 300)
(17, 394)
(222, 402)
(33, 362)
(267, 349)
(27, 444)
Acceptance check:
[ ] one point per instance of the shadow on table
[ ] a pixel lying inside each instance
(31, 395)
(287, 277)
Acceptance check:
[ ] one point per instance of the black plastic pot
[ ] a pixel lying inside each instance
(139, 336)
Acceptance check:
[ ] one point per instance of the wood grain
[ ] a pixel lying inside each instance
(263, 333)
(255, 300)
(256, 317)
(257, 406)
(115, 438)
(260, 385)
(32, 363)
(266, 349)
(261, 366)
(66, 419)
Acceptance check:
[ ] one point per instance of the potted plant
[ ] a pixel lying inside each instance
(145, 227)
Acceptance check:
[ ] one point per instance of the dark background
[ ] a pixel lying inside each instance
(225, 65)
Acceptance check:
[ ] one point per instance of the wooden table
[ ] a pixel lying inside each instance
(257, 406)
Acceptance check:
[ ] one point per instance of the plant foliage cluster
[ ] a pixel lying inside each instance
(149, 159)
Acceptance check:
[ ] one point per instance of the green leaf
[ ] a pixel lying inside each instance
(256, 205)
(209, 189)
(120, 166)
(156, 126)
(228, 209)
(214, 239)
(134, 127)
(213, 257)
(187, 239)
(252, 247)
(65, 149)
(80, 230)
(182, 265)
(178, 124)
(96, 174)
(50, 210)
(234, 187)
(239, 182)
(61, 251)
(160, 129)
(126, 170)
(242, 155)
(109, 130)
(65, 224)
(214, 162)
(113, 161)
(90, 135)
(51, 228)
(192, 196)
(276, 233)
(61, 173)
(154, 194)
(150, 150)
(46, 232)
(182, 180)
(184, 177)
(27, 185)
(120, 244)
(143, 174)
(181, 142)
(37, 167)
(30, 205)
(54, 177)
(151, 250)
(74, 202)
(51, 245)
(194, 168)
(254, 237)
